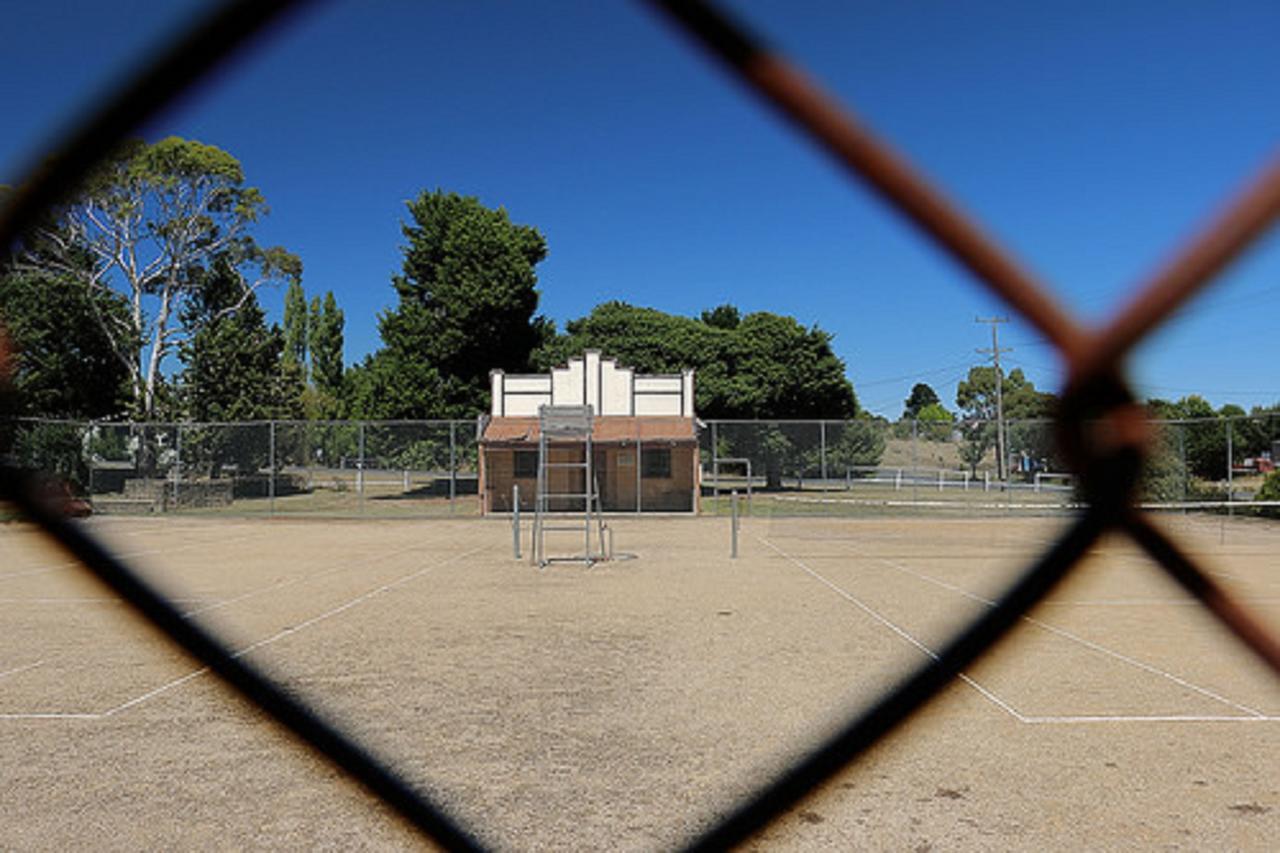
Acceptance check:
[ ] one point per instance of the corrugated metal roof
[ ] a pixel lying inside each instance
(608, 429)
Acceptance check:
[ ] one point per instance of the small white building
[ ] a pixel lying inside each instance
(644, 435)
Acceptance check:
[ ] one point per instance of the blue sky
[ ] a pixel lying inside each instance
(1090, 138)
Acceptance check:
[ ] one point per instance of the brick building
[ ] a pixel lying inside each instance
(644, 436)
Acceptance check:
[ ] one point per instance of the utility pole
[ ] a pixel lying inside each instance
(994, 352)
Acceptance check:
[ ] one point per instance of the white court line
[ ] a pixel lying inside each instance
(1151, 718)
(340, 567)
(17, 670)
(69, 564)
(991, 697)
(279, 635)
(1089, 644)
(1254, 715)
(82, 600)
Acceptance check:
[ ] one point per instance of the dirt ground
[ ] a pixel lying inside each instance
(623, 706)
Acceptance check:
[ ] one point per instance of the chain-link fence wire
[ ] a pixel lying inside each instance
(1097, 428)
(386, 469)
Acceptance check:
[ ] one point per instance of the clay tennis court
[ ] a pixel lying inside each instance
(622, 706)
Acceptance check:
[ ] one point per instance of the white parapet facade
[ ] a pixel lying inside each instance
(600, 383)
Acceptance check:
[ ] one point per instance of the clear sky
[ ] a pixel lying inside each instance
(1091, 138)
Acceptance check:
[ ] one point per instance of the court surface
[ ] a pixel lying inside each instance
(621, 706)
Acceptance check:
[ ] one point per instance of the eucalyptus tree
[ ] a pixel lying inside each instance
(148, 225)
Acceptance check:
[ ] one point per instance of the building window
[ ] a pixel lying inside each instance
(655, 463)
(526, 463)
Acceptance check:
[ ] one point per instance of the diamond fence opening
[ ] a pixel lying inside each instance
(1103, 440)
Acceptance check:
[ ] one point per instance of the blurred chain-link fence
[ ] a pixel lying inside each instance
(782, 467)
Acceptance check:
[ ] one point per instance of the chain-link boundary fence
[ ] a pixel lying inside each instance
(1099, 432)
(431, 469)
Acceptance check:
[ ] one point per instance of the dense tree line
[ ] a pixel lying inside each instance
(156, 258)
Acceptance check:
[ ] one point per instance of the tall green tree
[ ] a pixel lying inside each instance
(761, 367)
(152, 220)
(922, 395)
(64, 364)
(327, 343)
(468, 303)
(234, 366)
(765, 366)
(1023, 405)
(1201, 433)
(296, 327)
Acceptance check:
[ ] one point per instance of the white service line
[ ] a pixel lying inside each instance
(901, 632)
(279, 635)
(333, 570)
(69, 564)
(19, 669)
(1148, 718)
(1089, 644)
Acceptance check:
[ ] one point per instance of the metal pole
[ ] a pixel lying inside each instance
(453, 464)
(639, 469)
(1182, 452)
(177, 462)
(915, 439)
(515, 519)
(1001, 473)
(1230, 473)
(822, 447)
(588, 483)
(360, 465)
(733, 526)
(271, 466)
(715, 466)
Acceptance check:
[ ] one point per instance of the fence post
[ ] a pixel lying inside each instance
(733, 524)
(271, 466)
(360, 464)
(715, 468)
(1230, 472)
(453, 465)
(177, 462)
(822, 446)
(915, 473)
(515, 518)
(1182, 453)
(639, 470)
(87, 443)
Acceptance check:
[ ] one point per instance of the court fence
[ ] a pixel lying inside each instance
(1097, 425)
(779, 467)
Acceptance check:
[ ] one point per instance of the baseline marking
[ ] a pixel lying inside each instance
(279, 635)
(1253, 714)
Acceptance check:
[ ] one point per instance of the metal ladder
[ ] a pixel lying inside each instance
(562, 427)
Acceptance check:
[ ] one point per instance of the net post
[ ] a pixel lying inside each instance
(515, 519)
(733, 524)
